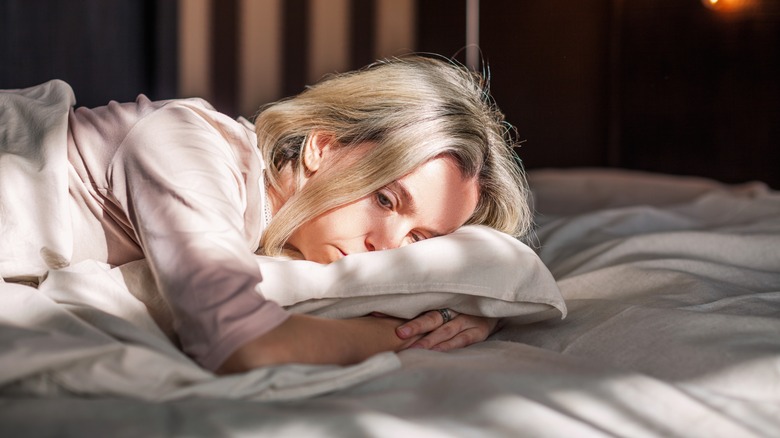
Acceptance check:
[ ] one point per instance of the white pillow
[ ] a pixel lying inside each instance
(475, 270)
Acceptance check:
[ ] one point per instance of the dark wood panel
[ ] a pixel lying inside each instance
(161, 30)
(226, 28)
(549, 65)
(548, 62)
(701, 92)
(660, 85)
(441, 27)
(295, 46)
(106, 49)
(361, 32)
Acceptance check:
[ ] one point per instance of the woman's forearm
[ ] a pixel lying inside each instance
(313, 340)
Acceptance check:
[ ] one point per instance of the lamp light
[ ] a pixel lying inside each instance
(730, 5)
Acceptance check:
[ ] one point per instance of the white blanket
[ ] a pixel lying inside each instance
(673, 291)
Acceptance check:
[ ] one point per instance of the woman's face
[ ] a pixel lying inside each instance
(431, 201)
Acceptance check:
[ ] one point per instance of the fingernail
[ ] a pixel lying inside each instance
(404, 331)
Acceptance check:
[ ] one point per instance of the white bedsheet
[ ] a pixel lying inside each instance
(673, 329)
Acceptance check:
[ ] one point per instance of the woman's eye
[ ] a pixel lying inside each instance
(416, 237)
(384, 200)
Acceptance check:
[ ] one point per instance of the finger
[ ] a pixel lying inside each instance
(462, 339)
(468, 329)
(441, 334)
(422, 324)
(447, 332)
(447, 315)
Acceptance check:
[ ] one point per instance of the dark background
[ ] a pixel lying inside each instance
(106, 49)
(659, 85)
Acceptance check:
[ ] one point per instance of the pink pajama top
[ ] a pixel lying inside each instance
(181, 185)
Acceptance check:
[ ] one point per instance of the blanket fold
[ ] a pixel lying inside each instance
(34, 180)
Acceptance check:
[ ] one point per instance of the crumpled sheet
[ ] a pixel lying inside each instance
(63, 339)
(674, 316)
(34, 198)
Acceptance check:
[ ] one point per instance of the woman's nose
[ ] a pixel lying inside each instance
(388, 237)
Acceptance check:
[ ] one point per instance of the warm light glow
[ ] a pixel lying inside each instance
(730, 5)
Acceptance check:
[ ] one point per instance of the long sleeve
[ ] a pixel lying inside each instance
(182, 186)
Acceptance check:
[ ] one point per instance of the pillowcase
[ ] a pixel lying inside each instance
(476, 270)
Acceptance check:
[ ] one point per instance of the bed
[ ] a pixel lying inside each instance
(672, 328)
(641, 305)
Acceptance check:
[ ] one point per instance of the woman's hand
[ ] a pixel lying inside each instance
(313, 340)
(439, 335)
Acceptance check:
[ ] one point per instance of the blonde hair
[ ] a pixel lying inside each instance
(410, 110)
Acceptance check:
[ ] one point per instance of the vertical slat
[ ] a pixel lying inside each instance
(163, 51)
(396, 22)
(295, 19)
(472, 34)
(441, 27)
(329, 42)
(194, 49)
(224, 55)
(362, 32)
(261, 54)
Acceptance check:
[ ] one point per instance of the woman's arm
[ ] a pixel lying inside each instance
(312, 340)
(181, 179)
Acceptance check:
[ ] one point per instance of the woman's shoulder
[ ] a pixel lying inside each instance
(123, 116)
(196, 114)
(147, 123)
(193, 123)
(157, 129)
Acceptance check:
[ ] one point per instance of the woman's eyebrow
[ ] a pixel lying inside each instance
(406, 197)
(409, 204)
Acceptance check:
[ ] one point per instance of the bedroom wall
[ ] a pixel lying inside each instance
(699, 89)
(668, 86)
(548, 61)
(660, 85)
(106, 49)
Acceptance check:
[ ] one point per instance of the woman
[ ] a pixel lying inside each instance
(404, 150)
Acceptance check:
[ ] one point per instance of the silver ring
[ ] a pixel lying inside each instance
(445, 315)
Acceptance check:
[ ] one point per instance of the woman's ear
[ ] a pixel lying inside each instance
(314, 151)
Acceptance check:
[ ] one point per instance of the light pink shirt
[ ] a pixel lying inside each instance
(179, 184)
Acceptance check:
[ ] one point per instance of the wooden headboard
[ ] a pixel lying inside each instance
(667, 86)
